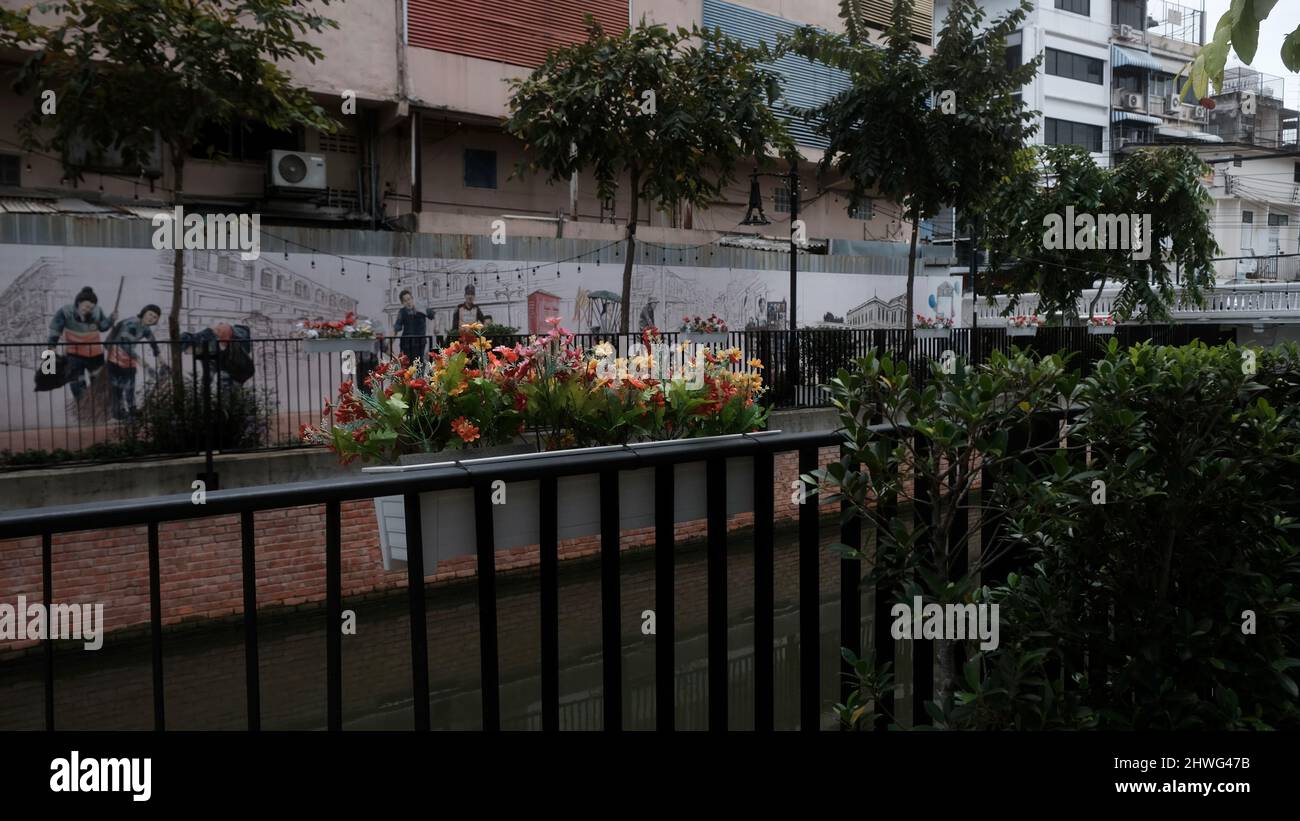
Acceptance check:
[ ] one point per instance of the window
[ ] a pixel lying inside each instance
(9, 170)
(1076, 6)
(480, 168)
(1074, 66)
(243, 141)
(1278, 220)
(865, 210)
(1296, 178)
(1236, 161)
(781, 199)
(1127, 82)
(266, 280)
(1015, 50)
(1247, 217)
(1064, 132)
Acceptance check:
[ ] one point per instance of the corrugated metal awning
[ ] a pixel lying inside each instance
(1121, 57)
(22, 205)
(1134, 117)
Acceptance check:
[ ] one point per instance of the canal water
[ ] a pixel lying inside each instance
(204, 667)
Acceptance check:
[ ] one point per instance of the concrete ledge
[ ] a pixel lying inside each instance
(26, 489)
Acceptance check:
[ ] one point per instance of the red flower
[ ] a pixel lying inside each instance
(465, 429)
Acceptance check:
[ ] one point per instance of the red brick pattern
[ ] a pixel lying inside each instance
(200, 560)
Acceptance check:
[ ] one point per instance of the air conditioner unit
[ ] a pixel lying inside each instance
(296, 171)
(1174, 104)
(1200, 112)
(1130, 100)
(1127, 32)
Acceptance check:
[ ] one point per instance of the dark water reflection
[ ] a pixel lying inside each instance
(204, 668)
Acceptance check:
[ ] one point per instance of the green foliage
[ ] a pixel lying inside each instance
(669, 113)
(127, 71)
(1164, 184)
(1237, 30)
(891, 133)
(1130, 614)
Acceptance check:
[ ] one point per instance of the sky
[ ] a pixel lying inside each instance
(1283, 19)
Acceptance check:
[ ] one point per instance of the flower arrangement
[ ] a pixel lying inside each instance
(349, 327)
(1025, 321)
(472, 394)
(1101, 321)
(712, 324)
(932, 322)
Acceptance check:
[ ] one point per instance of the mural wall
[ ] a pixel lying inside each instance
(273, 292)
(269, 295)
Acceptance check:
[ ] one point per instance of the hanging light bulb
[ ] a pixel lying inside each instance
(313, 263)
(367, 272)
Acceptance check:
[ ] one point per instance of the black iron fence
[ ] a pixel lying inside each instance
(609, 464)
(256, 394)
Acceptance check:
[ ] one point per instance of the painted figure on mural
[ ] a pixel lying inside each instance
(466, 313)
(223, 349)
(123, 357)
(79, 325)
(412, 327)
(647, 319)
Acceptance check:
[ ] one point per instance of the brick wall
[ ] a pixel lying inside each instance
(200, 560)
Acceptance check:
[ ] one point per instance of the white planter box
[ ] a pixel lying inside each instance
(708, 340)
(1101, 330)
(932, 333)
(1013, 331)
(447, 517)
(337, 345)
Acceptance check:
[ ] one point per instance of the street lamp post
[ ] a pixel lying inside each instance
(756, 204)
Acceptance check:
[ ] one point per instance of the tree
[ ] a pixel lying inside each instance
(670, 112)
(1238, 30)
(127, 74)
(921, 133)
(1162, 187)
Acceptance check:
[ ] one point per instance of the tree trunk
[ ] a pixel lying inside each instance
(178, 277)
(911, 280)
(625, 304)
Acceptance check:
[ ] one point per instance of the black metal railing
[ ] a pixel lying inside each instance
(546, 469)
(285, 385)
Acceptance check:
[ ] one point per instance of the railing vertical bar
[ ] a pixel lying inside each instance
(922, 649)
(883, 637)
(809, 602)
(251, 669)
(850, 586)
(487, 606)
(548, 520)
(764, 592)
(155, 629)
(334, 615)
(47, 584)
(665, 635)
(416, 605)
(716, 513)
(610, 602)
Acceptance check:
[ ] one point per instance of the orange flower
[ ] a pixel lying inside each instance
(465, 429)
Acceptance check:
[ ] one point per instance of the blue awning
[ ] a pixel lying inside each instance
(1133, 116)
(1120, 57)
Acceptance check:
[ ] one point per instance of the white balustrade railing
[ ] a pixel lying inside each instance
(1250, 301)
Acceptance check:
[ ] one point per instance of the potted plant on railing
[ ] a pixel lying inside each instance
(1024, 325)
(933, 327)
(710, 330)
(330, 336)
(472, 400)
(1101, 324)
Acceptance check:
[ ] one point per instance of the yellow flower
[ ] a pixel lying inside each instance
(604, 349)
(756, 364)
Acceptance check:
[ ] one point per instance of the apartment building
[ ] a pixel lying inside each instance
(424, 149)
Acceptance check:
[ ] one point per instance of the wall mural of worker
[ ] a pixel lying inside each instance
(122, 346)
(412, 327)
(465, 313)
(79, 325)
(222, 349)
